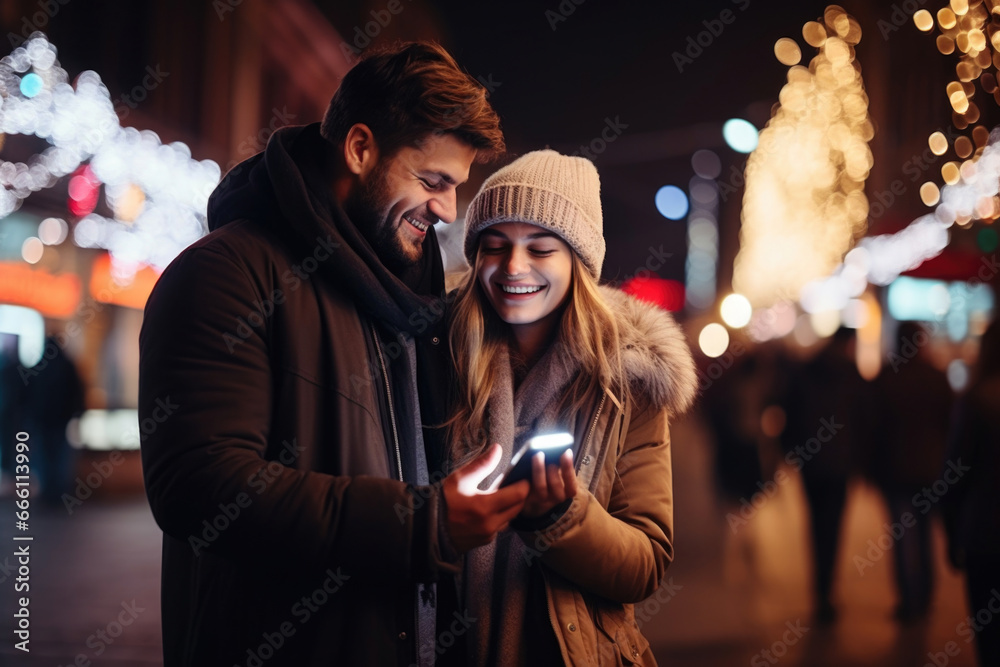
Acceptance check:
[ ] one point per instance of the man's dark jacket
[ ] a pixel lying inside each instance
(277, 429)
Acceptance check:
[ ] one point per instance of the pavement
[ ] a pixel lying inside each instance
(732, 597)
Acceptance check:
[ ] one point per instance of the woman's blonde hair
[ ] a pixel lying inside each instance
(587, 329)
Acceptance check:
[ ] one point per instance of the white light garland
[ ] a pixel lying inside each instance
(81, 124)
(881, 259)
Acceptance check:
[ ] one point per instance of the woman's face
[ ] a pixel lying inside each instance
(525, 271)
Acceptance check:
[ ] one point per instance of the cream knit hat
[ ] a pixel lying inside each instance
(557, 192)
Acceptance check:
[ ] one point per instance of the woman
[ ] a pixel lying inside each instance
(539, 347)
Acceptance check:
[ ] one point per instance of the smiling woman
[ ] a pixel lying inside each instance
(525, 272)
(539, 348)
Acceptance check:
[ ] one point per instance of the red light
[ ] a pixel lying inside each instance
(667, 294)
(84, 190)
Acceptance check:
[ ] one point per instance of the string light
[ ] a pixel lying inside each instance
(804, 203)
(79, 121)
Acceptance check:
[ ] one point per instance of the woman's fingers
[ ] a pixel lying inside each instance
(539, 488)
(568, 473)
(557, 490)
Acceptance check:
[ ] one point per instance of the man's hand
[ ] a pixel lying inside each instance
(474, 516)
(550, 485)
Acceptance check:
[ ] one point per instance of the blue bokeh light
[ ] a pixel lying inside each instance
(671, 202)
(31, 84)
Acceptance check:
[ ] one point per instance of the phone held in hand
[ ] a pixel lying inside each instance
(551, 444)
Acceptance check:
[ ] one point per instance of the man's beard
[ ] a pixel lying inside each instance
(368, 208)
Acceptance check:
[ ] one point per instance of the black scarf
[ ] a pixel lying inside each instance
(288, 187)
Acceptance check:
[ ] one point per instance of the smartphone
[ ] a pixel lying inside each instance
(551, 444)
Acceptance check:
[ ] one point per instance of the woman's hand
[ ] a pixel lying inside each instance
(550, 485)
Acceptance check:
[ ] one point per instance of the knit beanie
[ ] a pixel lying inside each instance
(557, 192)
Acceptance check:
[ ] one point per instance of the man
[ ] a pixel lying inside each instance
(291, 363)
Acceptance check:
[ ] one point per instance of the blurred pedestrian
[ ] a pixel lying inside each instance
(825, 426)
(53, 395)
(11, 409)
(971, 508)
(914, 405)
(733, 404)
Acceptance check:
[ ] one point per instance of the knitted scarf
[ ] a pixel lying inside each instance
(497, 575)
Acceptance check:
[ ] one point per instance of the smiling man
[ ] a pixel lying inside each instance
(295, 481)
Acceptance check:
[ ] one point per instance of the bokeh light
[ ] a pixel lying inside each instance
(31, 84)
(740, 135)
(958, 375)
(814, 33)
(938, 143)
(53, 231)
(78, 120)
(987, 239)
(804, 202)
(825, 322)
(923, 20)
(671, 202)
(706, 164)
(736, 311)
(787, 52)
(713, 340)
(32, 249)
(930, 194)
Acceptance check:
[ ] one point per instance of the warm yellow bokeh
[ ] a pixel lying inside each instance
(804, 205)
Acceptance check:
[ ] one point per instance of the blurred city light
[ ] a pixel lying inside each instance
(774, 322)
(957, 303)
(917, 299)
(855, 314)
(32, 249)
(702, 262)
(804, 333)
(971, 185)
(740, 135)
(87, 140)
(825, 322)
(713, 340)
(804, 203)
(667, 294)
(868, 347)
(29, 326)
(107, 429)
(987, 239)
(736, 311)
(671, 202)
(53, 231)
(31, 84)
(923, 20)
(706, 164)
(958, 375)
(787, 52)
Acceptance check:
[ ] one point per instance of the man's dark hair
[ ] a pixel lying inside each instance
(408, 92)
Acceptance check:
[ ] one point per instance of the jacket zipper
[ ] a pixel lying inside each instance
(590, 433)
(597, 415)
(392, 411)
(590, 436)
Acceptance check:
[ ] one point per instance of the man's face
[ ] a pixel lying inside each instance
(403, 195)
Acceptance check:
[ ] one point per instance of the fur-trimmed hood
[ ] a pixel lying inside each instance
(655, 353)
